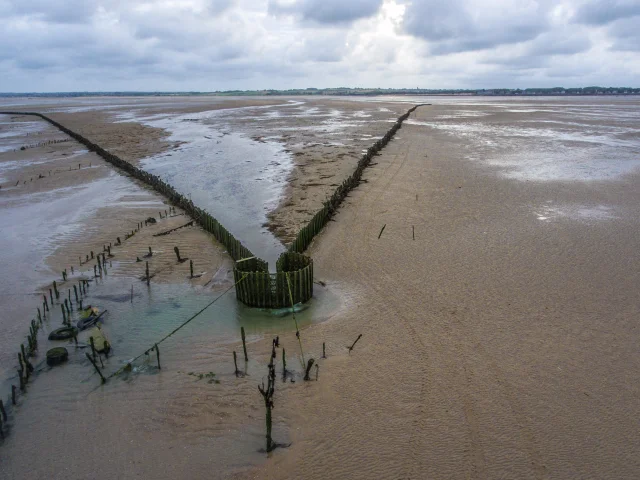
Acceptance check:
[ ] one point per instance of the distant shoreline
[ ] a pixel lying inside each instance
(586, 92)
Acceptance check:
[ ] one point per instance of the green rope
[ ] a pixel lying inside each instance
(176, 329)
(293, 311)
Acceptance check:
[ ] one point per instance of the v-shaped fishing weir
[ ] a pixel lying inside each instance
(255, 286)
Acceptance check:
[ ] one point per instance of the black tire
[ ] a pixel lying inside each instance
(56, 356)
(63, 333)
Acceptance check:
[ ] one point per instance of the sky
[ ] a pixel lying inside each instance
(209, 45)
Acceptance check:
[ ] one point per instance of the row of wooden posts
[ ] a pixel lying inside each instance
(209, 223)
(259, 287)
(320, 219)
(43, 312)
(45, 143)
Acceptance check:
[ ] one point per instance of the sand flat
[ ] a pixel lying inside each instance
(495, 345)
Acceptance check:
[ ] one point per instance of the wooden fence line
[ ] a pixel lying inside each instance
(320, 219)
(294, 272)
(204, 219)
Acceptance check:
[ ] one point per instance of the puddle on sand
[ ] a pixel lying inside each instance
(583, 213)
(573, 141)
(156, 310)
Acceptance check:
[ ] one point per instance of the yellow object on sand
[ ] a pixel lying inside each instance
(87, 312)
(99, 340)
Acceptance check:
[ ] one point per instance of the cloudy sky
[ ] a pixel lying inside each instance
(206, 45)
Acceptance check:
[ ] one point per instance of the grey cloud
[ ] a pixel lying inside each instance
(326, 11)
(457, 26)
(67, 12)
(625, 35)
(561, 42)
(601, 12)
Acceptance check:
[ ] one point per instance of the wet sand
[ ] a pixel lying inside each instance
(501, 342)
(495, 345)
(55, 223)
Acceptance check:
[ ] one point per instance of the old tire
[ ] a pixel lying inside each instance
(63, 333)
(56, 356)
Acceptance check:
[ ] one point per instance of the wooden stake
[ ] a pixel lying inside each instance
(147, 272)
(309, 365)
(267, 395)
(22, 384)
(244, 344)
(284, 363)
(235, 362)
(158, 356)
(324, 354)
(191, 267)
(3, 411)
(382, 230)
(413, 231)
(96, 367)
(354, 343)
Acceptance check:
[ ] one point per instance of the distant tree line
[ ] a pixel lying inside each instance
(594, 90)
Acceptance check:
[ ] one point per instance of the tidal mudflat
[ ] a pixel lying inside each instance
(500, 342)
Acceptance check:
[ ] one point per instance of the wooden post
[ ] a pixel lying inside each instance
(64, 315)
(158, 355)
(150, 252)
(55, 290)
(21, 360)
(175, 249)
(413, 231)
(382, 230)
(13, 394)
(103, 380)
(75, 291)
(46, 303)
(51, 296)
(3, 411)
(324, 354)
(147, 272)
(244, 344)
(284, 364)
(235, 362)
(309, 365)
(39, 316)
(267, 395)
(22, 384)
(191, 267)
(354, 343)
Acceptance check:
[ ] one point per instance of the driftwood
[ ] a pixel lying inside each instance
(167, 232)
